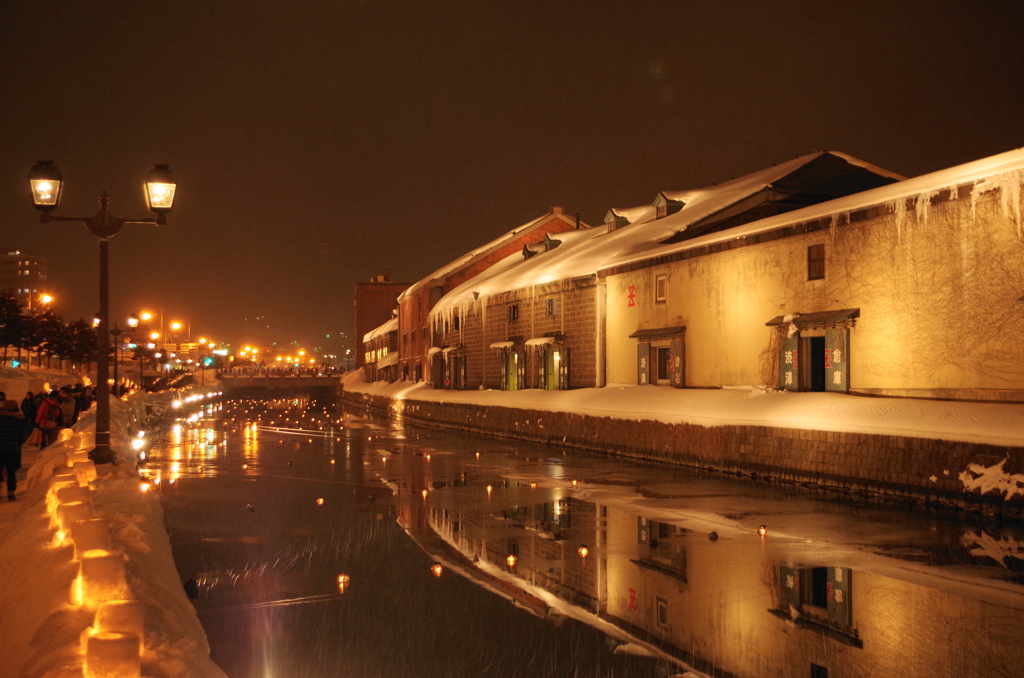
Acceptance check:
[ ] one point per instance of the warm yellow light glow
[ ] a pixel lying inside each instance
(45, 298)
(575, 482)
(44, 192)
(511, 560)
(154, 335)
(424, 493)
(145, 315)
(161, 196)
(763, 530)
(202, 340)
(144, 486)
(343, 582)
(436, 569)
(175, 326)
(583, 551)
(319, 501)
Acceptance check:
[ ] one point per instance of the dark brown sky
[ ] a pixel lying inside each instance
(318, 143)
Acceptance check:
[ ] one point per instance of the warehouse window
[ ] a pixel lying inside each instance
(816, 262)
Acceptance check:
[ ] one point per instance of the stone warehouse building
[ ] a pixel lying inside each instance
(911, 289)
(419, 361)
(822, 273)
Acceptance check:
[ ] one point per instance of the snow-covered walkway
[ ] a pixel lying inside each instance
(54, 588)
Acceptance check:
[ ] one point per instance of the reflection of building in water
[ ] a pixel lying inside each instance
(736, 606)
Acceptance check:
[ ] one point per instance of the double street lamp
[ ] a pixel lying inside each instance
(47, 184)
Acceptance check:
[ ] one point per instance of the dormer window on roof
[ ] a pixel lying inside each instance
(664, 206)
(615, 221)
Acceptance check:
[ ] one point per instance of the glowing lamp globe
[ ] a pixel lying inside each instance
(160, 185)
(46, 184)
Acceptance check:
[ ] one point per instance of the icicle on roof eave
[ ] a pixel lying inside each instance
(979, 172)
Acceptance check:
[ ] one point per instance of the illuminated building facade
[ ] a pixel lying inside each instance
(22, 275)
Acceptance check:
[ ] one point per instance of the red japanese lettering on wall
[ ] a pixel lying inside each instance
(631, 295)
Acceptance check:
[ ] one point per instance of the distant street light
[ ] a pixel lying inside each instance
(46, 184)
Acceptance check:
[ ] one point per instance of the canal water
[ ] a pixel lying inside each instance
(320, 543)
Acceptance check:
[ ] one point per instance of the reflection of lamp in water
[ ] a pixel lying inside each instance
(511, 560)
(583, 551)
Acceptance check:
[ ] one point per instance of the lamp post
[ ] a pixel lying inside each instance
(46, 185)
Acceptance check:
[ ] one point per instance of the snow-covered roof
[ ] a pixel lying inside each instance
(481, 252)
(986, 174)
(632, 214)
(389, 326)
(601, 247)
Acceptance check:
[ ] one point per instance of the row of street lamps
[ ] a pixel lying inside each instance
(47, 185)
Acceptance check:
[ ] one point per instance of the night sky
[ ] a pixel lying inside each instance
(317, 144)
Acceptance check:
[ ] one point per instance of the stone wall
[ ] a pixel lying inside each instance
(883, 468)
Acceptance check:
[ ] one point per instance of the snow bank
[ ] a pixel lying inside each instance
(986, 423)
(49, 608)
(16, 382)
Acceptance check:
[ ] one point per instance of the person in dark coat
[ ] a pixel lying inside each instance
(12, 435)
(28, 411)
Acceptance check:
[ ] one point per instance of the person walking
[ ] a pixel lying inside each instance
(68, 407)
(48, 418)
(28, 411)
(12, 435)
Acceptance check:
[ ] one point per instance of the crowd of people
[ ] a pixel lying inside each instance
(36, 422)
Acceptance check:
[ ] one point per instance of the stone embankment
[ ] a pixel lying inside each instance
(893, 469)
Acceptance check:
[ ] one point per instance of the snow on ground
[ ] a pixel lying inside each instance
(990, 423)
(17, 382)
(41, 620)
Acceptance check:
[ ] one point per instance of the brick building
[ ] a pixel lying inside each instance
(374, 304)
(416, 335)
